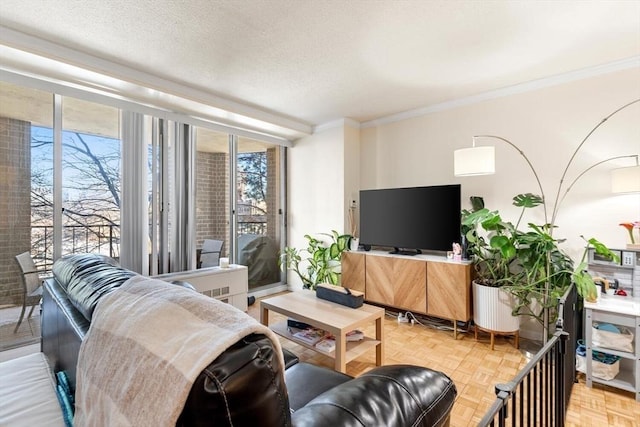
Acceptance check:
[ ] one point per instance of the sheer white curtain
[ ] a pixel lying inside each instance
(134, 252)
(183, 245)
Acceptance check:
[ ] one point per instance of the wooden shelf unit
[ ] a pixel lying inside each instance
(423, 284)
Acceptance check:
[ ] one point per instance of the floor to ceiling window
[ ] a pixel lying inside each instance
(235, 190)
(239, 204)
(26, 190)
(212, 196)
(258, 210)
(91, 199)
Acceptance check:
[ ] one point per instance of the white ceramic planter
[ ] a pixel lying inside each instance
(492, 309)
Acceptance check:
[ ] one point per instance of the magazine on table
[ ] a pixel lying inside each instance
(328, 344)
(355, 335)
(310, 335)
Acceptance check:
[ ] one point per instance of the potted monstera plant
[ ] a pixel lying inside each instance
(522, 267)
(319, 262)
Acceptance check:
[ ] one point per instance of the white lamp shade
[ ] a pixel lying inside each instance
(625, 180)
(474, 161)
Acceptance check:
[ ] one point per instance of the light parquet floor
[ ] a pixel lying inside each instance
(475, 370)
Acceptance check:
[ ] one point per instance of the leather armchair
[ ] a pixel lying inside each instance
(241, 387)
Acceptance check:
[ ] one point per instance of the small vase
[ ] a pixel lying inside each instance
(354, 243)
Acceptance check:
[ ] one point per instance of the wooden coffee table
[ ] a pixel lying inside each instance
(334, 318)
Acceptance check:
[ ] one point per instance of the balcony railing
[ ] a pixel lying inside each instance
(105, 239)
(251, 219)
(99, 238)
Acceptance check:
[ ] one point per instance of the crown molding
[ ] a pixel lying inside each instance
(344, 122)
(623, 64)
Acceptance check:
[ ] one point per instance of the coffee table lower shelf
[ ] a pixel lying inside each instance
(354, 348)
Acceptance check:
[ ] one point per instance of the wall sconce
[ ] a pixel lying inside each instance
(626, 180)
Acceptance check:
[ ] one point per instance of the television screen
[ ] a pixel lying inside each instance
(411, 218)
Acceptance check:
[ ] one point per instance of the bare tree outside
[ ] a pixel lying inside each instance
(91, 193)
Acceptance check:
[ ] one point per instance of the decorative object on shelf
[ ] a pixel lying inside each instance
(630, 226)
(457, 251)
(319, 262)
(529, 262)
(340, 295)
(354, 242)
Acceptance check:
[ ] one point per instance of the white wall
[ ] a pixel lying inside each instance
(547, 124)
(351, 174)
(316, 182)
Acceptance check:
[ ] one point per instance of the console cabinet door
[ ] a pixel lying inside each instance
(410, 284)
(397, 282)
(449, 291)
(353, 267)
(379, 279)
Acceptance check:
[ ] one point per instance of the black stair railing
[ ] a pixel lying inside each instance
(539, 394)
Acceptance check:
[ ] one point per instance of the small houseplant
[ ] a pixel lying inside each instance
(319, 262)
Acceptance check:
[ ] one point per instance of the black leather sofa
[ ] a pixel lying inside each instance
(302, 395)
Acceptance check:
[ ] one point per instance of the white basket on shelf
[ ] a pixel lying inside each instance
(604, 366)
(621, 341)
(598, 369)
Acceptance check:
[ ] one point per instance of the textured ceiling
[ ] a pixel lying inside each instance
(322, 60)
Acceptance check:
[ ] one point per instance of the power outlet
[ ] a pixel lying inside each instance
(353, 203)
(402, 318)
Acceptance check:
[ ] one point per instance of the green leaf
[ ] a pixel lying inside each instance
(601, 249)
(527, 200)
(333, 278)
(502, 243)
(497, 242)
(492, 222)
(334, 251)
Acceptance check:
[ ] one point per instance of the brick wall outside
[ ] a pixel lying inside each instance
(212, 200)
(15, 204)
(272, 193)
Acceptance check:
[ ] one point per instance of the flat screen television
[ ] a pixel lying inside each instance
(411, 219)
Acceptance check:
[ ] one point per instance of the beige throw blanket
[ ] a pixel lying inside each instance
(147, 343)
